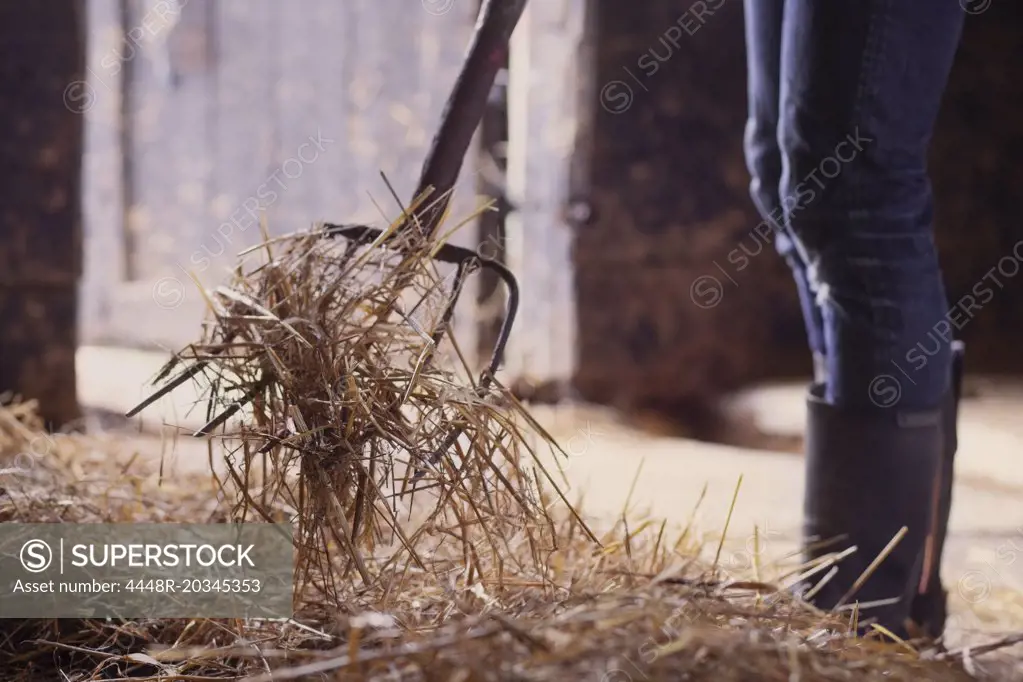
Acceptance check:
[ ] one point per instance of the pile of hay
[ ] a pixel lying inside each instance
(432, 542)
(642, 607)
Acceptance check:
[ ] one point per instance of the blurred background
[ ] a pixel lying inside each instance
(144, 139)
(613, 146)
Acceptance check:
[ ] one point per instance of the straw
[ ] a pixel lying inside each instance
(581, 614)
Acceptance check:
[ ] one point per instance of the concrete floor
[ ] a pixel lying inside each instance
(667, 476)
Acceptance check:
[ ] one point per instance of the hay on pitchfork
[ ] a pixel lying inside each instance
(348, 423)
(350, 420)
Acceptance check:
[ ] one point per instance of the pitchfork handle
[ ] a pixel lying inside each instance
(465, 107)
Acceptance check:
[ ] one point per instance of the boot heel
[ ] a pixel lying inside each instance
(930, 606)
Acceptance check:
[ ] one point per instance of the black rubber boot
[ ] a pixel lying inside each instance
(930, 607)
(869, 474)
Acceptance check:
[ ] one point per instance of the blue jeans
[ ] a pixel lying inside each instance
(843, 95)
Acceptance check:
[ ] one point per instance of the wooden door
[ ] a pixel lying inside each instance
(550, 105)
(666, 319)
(202, 113)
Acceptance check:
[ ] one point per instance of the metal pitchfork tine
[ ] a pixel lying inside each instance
(463, 112)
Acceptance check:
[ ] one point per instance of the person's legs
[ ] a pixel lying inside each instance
(860, 89)
(763, 156)
(861, 82)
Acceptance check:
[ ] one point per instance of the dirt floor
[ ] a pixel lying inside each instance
(614, 466)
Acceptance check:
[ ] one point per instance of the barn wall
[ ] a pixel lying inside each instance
(977, 176)
(669, 191)
(204, 114)
(42, 63)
